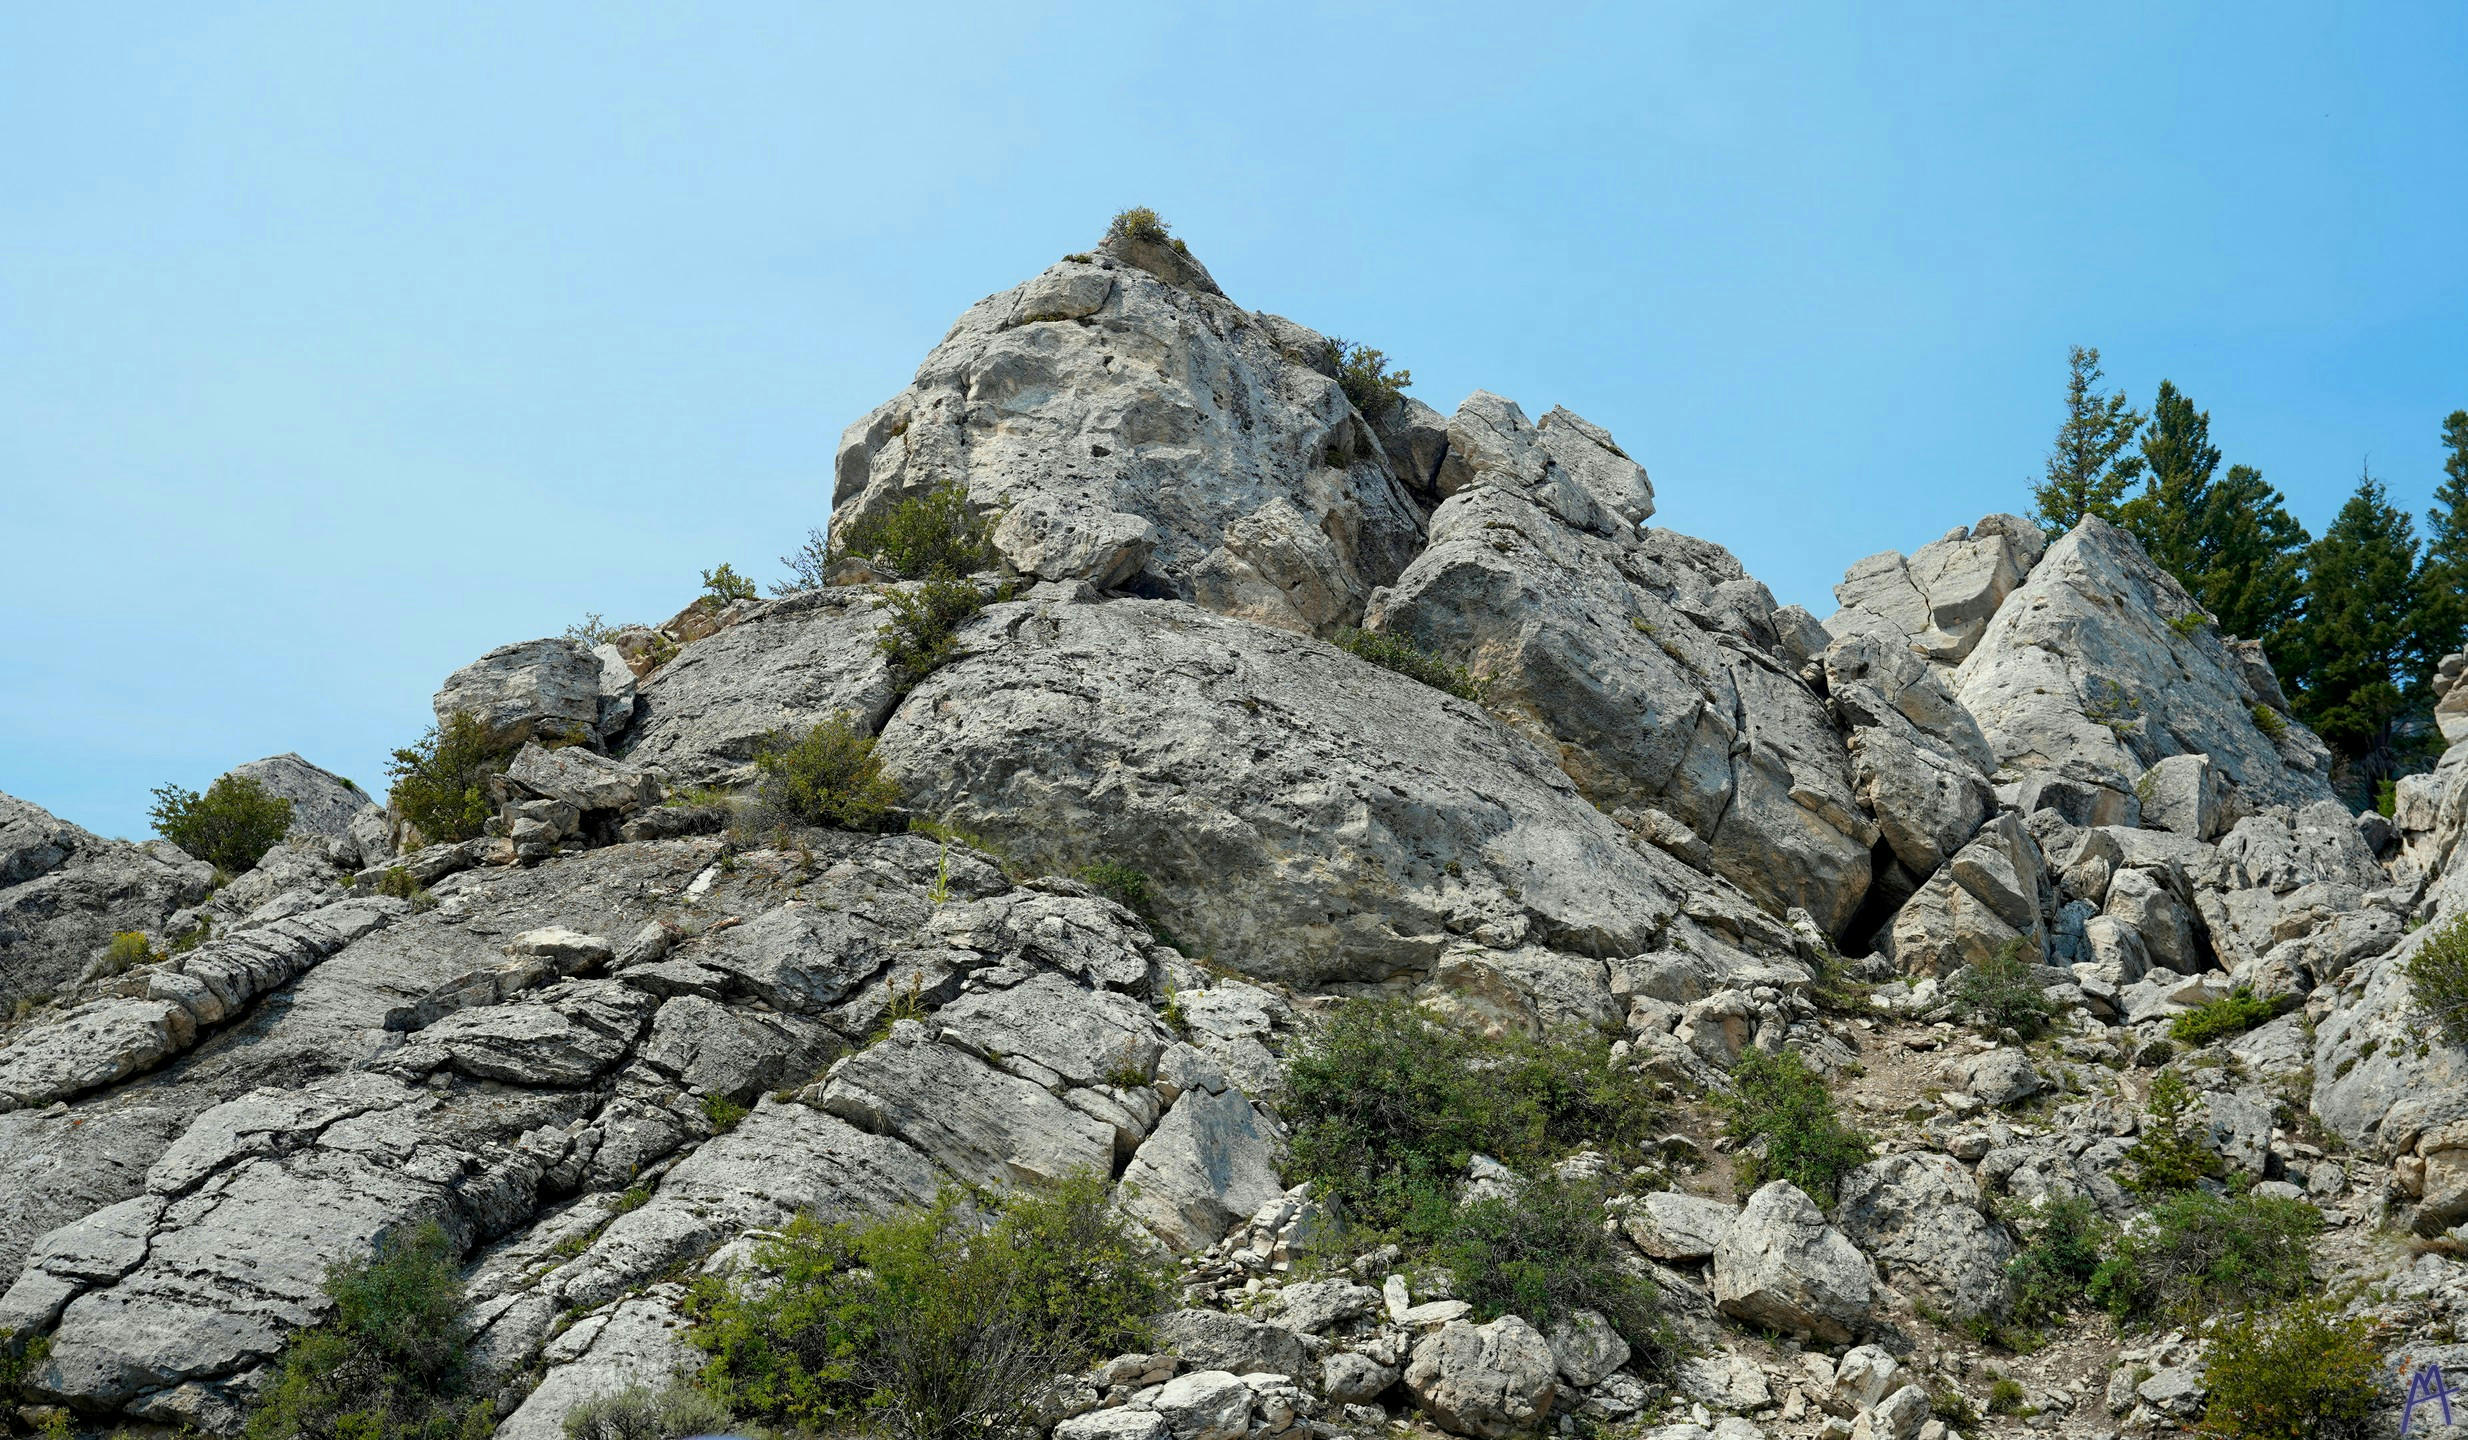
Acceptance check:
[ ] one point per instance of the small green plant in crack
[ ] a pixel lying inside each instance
(829, 776)
(2109, 704)
(2189, 624)
(2232, 1014)
(2167, 1159)
(1391, 652)
(1778, 1102)
(935, 534)
(2270, 722)
(922, 634)
(723, 1113)
(1140, 223)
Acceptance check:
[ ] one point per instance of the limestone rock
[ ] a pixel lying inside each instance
(1487, 1381)
(790, 664)
(65, 892)
(537, 689)
(1204, 1405)
(1209, 1164)
(1647, 659)
(1255, 775)
(1671, 1226)
(1986, 897)
(586, 781)
(638, 1341)
(1920, 1212)
(982, 1124)
(1782, 1265)
(1586, 1348)
(1212, 1339)
(1163, 419)
(322, 802)
(1939, 600)
(2080, 676)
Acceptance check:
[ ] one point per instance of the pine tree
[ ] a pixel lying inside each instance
(2170, 514)
(2088, 467)
(2442, 578)
(2254, 576)
(2355, 641)
(2231, 543)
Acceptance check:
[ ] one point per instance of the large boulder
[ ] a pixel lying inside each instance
(553, 689)
(322, 802)
(2091, 672)
(1649, 660)
(1209, 1163)
(1299, 813)
(1989, 896)
(64, 892)
(1487, 1381)
(1138, 430)
(1938, 600)
(787, 665)
(1919, 1212)
(1781, 1265)
(1918, 760)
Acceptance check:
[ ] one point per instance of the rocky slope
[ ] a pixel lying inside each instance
(1680, 817)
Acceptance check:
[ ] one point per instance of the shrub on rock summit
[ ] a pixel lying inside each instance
(232, 825)
(441, 783)
(1364, 375)
(936, 535)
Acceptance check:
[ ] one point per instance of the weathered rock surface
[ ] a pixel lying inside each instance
(790, 664)
(64, 892)
(322, 802)
(1920, 1213)
(1646, 659)
(1940, 598)
(554, 689)
(1783, 1266)
(1149, 435)
(1262, 780)
(1488, 1381)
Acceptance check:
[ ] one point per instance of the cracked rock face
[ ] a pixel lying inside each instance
(1143, 432)
(64, 892)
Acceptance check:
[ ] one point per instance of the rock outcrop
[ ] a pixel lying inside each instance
(65, 892)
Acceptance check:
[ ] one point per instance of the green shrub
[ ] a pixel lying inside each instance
(1389, 652)
(2166, 1158)
(232, 825)
(723, 1113)
(2198, 1254)
(639, 1412)
(1142, 224)
(809, 565)
(2000, 993)
(2438, 978)
(1778, 1101)
(1364, 375)
(2232, 1014)
(931, 1323)
(1389, 1105)
(441, 783)
(2064, 1243)
(724, 585)
(2005, 1396)
(128, 950)
(2269, 722)
(921, 636)
(592, 629)
(934, 535)
(828, 776)
(1541, 1254)
(1121, 884)
(1955, 1409)
(2307, 1373)
(388, 1363)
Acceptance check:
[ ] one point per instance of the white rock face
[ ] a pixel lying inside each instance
(1671, 1226)
(2080, 675)
(1140, 433)
(1255, 777)
(1939, 599)
(64, 892)
(322, 802)
(1648, 659)
(788, 665)
(1487, 1381)
(1782, 1265)
(1920, 1212)
(554, 689)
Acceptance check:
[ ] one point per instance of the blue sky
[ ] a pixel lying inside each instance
(340, 343)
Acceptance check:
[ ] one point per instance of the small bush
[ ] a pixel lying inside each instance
(232, 825)
(935, 535)
(724, 584)
(2198, 1254)
(592, 629)
(2438, 978)
(2232, 1014)
(2307, 1373)
(2166, 1158)
(2000, 993)
(1364, 375)
(1778, 1101)
(1121, 884)
(1389, 652)
(809, 565)
(1541, 1254)
(128, 950)
(2269, 722)
(441, 783)
(1955, 1409)
(2189, 624)
(1388, 1105)
(2005, 1396)
(828, 776)
(723, 1113)
(639, 1412)
(1142, 224)
(2064, 1243)
(933, 1323)
(388, 1363)
(920, 638)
